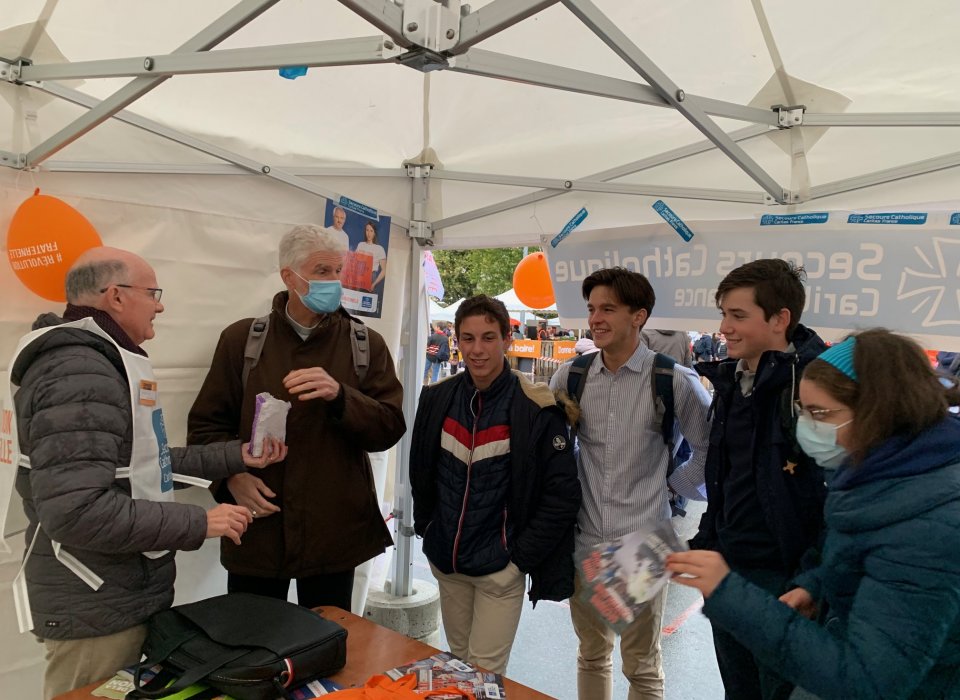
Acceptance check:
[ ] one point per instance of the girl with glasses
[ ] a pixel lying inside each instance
(880, 616)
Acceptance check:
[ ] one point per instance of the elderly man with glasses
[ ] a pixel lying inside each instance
(96, 474)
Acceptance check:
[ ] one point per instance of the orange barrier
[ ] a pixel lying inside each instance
(525, 348)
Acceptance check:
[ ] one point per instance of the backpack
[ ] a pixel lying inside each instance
(662, 391)
(438, 347)
(258, 336)
(703, 346)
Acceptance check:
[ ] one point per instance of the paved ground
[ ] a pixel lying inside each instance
(545, 652)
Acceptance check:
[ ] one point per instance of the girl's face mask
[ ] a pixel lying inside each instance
(818, 440)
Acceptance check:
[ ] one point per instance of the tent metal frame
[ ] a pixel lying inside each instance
(453, 51)
(442, 35)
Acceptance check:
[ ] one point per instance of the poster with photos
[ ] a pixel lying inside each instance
(366, 235)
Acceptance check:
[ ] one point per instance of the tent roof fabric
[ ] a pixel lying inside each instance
(876, 99)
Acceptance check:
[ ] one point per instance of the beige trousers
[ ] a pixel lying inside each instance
(481, 614)
(639, 649)
(74, 663)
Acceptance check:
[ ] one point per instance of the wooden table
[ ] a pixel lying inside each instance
(370, 649)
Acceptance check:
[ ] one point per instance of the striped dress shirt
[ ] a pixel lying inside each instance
(622, 459)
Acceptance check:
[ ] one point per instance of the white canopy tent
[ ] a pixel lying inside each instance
(443, 313)
(439, 313)
(513, 303)
(167, 125)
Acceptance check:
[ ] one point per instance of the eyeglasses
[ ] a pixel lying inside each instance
(155, 292)
(817, 414)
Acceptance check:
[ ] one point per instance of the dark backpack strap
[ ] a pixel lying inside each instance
(576, 379)
(662, 379)
(360, 347)
(254, 347)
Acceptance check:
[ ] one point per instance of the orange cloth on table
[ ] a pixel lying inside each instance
(382, 687)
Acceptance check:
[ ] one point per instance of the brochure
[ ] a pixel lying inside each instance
(625, 573)
(443, 670)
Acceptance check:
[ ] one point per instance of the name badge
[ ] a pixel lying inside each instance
(148, 393)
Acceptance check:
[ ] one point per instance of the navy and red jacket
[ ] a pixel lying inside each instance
(494, 480)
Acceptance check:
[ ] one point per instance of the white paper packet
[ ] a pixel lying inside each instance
(269, 420)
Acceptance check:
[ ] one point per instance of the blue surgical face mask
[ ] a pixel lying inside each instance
(818, 440)
(323, 296)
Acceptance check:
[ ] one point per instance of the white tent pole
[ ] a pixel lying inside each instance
(883, 119)
(494, 18)
(204, 146)
(496, 65)
(920, 167)
(227, 24)
(612, 36)
(414, 352)
(605, 175)
(414, 348)
(382, 14)
(748, 196)
(90, 166)
(335, 52)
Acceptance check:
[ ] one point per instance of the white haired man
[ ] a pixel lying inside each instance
(317, 516)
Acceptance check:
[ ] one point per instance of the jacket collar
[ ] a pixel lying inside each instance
(106, 322)
(634, 364)
(773, 366)
(496, 388)
(902, 479)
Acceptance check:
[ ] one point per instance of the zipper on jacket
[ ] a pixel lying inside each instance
(503, 529)
(466, 488)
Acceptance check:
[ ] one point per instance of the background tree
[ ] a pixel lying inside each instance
(481, 271)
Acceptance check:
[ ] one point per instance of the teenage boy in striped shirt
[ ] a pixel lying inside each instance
(622, 463)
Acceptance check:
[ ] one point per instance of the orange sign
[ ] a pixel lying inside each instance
(564, 349)
(524, 348)
(357, 271)
(45, 237)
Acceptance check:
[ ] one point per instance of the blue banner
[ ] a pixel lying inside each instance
(794, 219)
(914, 218)
(671, 218)
(897, 273)
(359, 208)
(571, 225)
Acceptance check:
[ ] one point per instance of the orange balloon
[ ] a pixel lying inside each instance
(531, 281)
(45, 238)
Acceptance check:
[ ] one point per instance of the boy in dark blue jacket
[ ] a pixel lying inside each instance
(764, 496)
(495, 490)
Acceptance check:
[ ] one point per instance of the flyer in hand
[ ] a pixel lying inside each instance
(444, 670)
(625, 573)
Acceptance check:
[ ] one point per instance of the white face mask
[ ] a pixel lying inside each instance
(818, 440)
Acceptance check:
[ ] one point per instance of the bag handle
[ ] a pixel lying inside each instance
(194, 675)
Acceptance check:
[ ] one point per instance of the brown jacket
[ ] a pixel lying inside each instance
(330, 519)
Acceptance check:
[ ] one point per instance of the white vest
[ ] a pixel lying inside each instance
(150, 471)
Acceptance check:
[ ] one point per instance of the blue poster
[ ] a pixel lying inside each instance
(366, 233)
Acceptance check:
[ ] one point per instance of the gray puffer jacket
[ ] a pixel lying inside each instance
(75, 423)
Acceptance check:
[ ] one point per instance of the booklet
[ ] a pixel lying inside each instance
(443, 670)
(625, 573)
